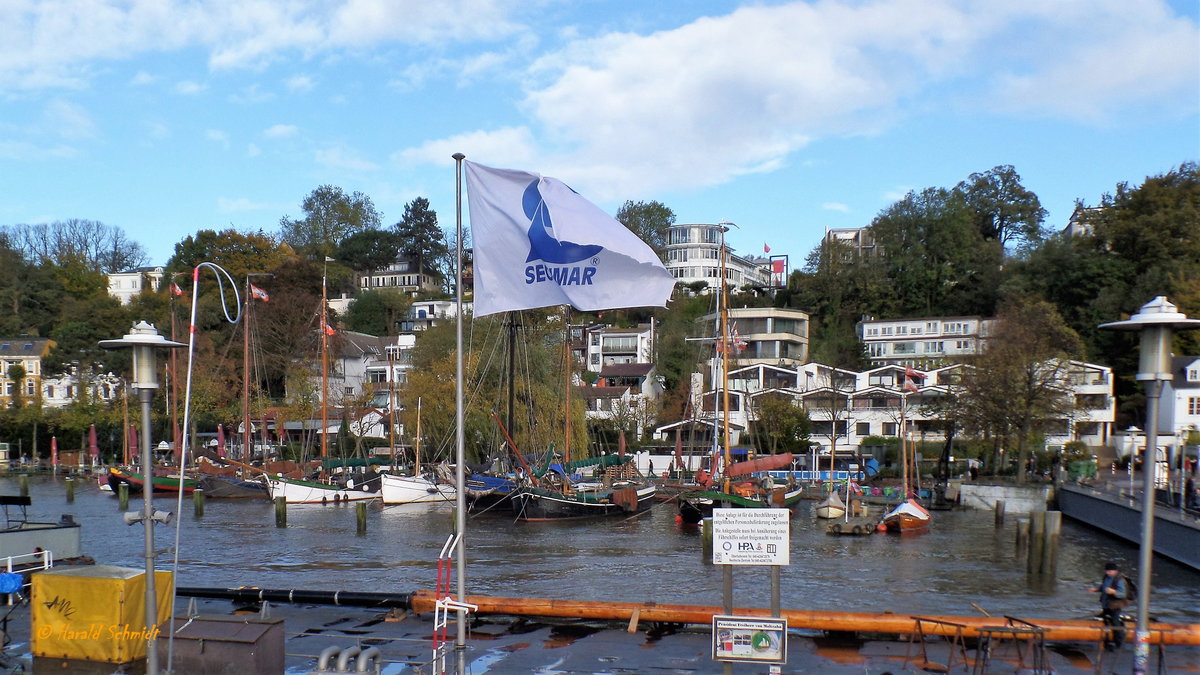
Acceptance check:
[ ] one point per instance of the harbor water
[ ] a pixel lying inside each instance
(964, 564)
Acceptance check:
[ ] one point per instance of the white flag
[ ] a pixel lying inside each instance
(538, 243)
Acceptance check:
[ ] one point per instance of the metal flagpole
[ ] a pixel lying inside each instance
(460, 640)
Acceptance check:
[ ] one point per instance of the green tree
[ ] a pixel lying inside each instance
(330, 215)
(16, 375)
(936, 259)
(377, 312)
(1002, 209)
(369, 250)
(1019, 381)
(779, 426)
(421, 240)
(650, 221)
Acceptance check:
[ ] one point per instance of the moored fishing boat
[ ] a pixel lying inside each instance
(415, 489)
(583, 500)
(908, 516)
(167, 482)
(232, 487)
(297, 491)
(831, 507)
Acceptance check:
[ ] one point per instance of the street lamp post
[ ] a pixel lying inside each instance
(1157, 321)
(142, 340)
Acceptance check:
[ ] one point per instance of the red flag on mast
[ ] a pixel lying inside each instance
(259, 294)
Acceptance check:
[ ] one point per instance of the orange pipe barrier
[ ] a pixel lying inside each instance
(865, 622)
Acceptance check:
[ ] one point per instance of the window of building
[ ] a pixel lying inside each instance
(889, 428)
(1193, 375)
(904, 348)
(1194, 405)
(49, 391)
(863, 428)
(935, 347)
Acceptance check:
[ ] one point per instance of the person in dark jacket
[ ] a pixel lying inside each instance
(1112, 590)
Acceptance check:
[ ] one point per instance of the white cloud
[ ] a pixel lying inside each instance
(217, 136)
(897, 193)
(300, 83)
(835, 206)
(68, 120)
(142, 78)
(724, 96)
(253, 150)
(25, 152)
(252, 94)
(280, 131)
(189, 88)
(344, 158)
(511, 145)
(241, 204)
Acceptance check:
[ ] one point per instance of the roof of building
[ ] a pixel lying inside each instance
(626, 370)
(594, 393)
(24, 346)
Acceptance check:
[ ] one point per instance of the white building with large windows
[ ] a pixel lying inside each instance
(924, 342)
(694, 255)
(851, 406)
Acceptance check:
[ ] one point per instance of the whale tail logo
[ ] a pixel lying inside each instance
(542, 244)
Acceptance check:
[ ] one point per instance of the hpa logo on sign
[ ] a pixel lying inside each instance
(557, 258)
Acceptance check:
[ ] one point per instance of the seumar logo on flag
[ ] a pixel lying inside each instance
(538, 243)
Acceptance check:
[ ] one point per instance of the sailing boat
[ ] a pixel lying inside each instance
(908, 516)
(747, 494)
(553, 492)
(417, 488)
(297, 491)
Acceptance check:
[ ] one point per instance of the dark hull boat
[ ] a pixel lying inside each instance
(486, 492)
(228, 487)
(535, 504)
(136, 481)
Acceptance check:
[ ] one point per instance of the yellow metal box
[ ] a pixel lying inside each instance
(94, 612)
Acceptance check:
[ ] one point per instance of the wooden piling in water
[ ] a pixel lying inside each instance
(999, 513)
(1022, 547)
(1037, 530)
(198, 502)
(1050, 541)
(281, 512)
(123, 496)
(360, 515)
(23, 481)
(70, 489)
(706, 540)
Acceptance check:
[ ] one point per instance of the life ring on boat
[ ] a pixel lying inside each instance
(835, 528)
(857, 529)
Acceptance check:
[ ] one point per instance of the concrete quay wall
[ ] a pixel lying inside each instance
(1016, 498)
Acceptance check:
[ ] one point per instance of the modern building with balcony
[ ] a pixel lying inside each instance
(925, 342)
(694, 255)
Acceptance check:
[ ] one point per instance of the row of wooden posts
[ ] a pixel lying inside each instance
(1037, 539)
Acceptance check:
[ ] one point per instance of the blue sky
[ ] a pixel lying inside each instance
(165, 117)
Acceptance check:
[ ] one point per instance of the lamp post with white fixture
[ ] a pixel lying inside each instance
(142, 340)
(1157, 320)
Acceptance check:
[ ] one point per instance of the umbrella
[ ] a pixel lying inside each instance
(54, 452)
(93, 446)
(220, 440)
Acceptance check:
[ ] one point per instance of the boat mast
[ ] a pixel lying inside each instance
(391, 382)
(723, 299)
(417, 442)
(247, 436)
(512, 368)
(903, 445)
(570, 362)
(324, 364)
(174, 381)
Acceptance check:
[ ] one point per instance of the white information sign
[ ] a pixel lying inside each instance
(751, 536)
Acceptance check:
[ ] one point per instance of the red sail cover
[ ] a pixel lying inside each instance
(765, 463)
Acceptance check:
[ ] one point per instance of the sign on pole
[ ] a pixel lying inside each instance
(751, 536)
(749, 638)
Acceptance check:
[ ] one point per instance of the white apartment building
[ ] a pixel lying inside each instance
(767, 335)
(402, 275)
(1179, 410)
(923, 342)
(694, 254)
(124, 286)
(851, 406)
